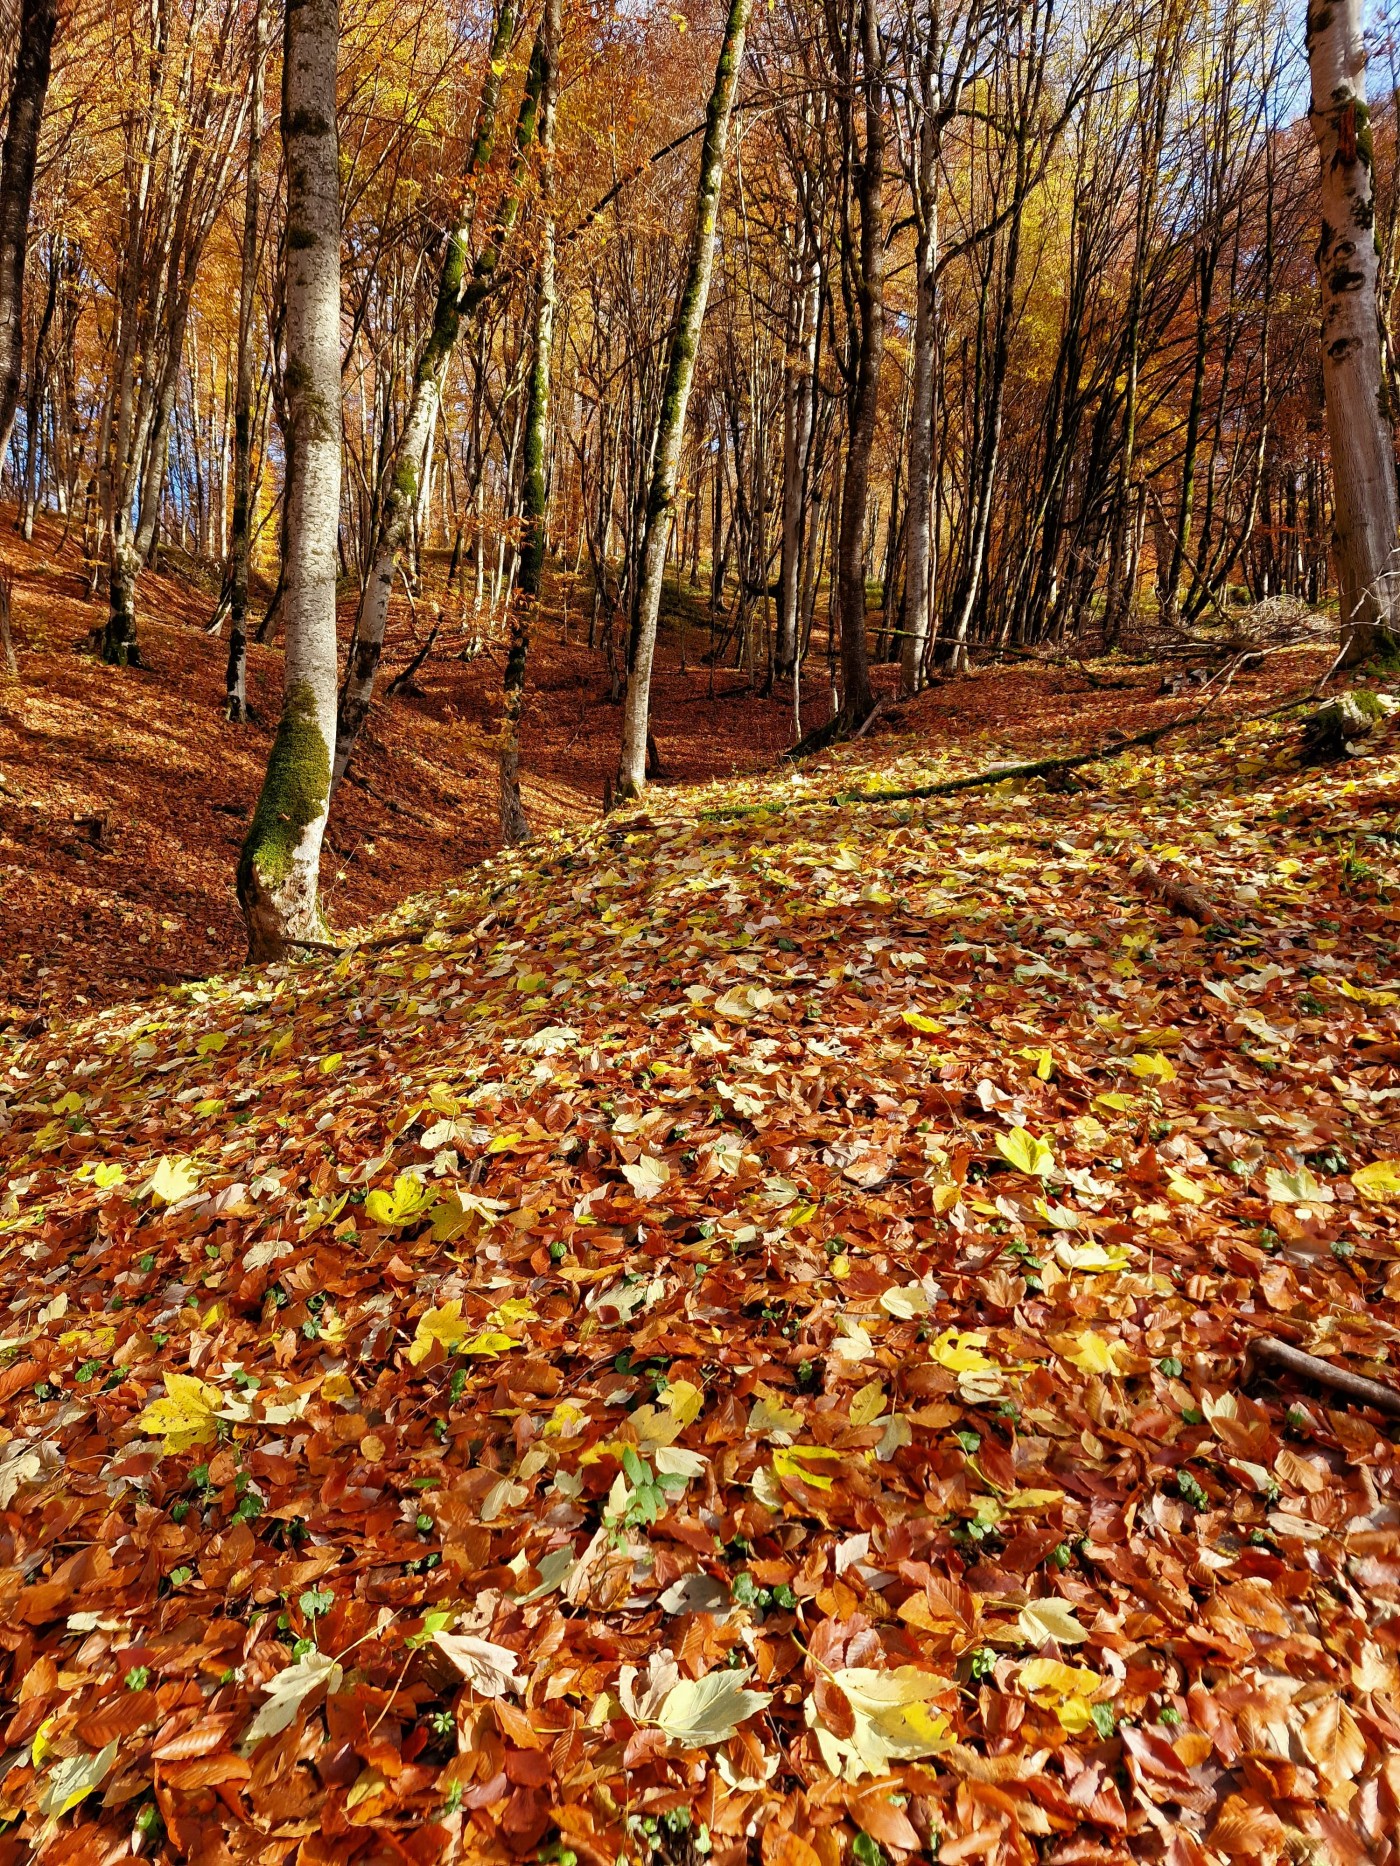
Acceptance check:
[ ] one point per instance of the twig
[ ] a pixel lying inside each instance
(1290, 1360)
(1187, 900)
(1045, 767)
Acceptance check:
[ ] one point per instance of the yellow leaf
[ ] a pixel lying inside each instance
(1051, 1618)
(1096, 1259)
(490, 1344)
(683, 1400)
(211, 1042)
(409, 1199)
(1026, 1152)
(1093, 1354)
(961, 1353)
(1380, 1180)
(868, 1404)
(108, 1174)
(186, 1415)
(1185, 1189)
(445, 1325)
(1114, 1102)
(917, 1021)
(1049, 1680)
(1154, 1068)
(337, 1389)
(171, 1181)
(1075, 1715)
(906, 1303)
(789, 1463)
(1034, 1499)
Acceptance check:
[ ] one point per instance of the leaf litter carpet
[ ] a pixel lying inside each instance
(726, 1337)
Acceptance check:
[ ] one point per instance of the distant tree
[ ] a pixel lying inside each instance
(38, 20)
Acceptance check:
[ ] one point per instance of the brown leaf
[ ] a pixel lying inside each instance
(1334, 1742)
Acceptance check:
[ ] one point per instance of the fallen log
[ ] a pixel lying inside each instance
(1267, 1351)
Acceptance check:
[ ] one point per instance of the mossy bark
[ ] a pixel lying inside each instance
(278, 873)
(1365, 519)
(675, 399)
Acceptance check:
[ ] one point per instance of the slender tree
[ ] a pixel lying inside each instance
(863, 268)
(460, 287)
(1365, 521)
(675, 398)
(235, 680)
(278, 874)
(38, 20)
(535, 490)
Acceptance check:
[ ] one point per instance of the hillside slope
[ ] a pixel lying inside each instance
(124, 796)
(726, 1333)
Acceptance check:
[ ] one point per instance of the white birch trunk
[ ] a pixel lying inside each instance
(278, 875)
(1358, 418)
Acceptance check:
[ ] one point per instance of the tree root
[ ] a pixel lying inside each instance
(1267, 1351)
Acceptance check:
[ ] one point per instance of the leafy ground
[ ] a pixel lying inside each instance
(725, 1335)
(124, 797)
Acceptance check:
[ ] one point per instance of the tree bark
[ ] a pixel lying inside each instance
(456, 287)
(857, 694)
(680, 371)
(1358, 417)
(278, 874)
(235, 678)
(535, 490)
(37, 22)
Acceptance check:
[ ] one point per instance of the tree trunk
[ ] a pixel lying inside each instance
(1358, 418)
(680, 370)
(235, 678)
(400, 497)
(535, 489)
(914, 642)
(278, 873)
(37, 21)
(857, 694)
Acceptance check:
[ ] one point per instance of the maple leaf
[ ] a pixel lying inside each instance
(648, 1176)
(409, 1199)
(171, 1181)
(700, 1711)
(288, 1691)
(186, 1416)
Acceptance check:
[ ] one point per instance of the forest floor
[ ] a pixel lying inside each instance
(738, 1332)
(124, 796)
